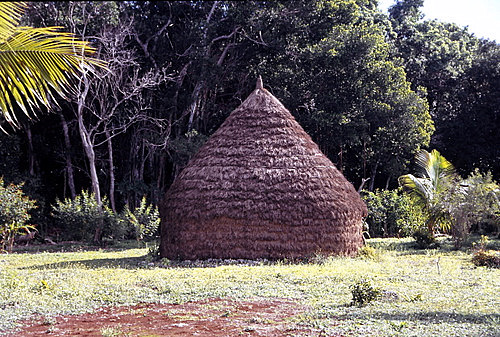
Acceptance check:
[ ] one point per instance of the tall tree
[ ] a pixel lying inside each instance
(469, 131)
(334, 70)
(459, 73)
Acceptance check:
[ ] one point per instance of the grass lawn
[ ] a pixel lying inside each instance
(426, 292)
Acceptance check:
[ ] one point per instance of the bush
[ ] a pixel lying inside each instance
(14, 212)
(363, 293)
(488, 258)
(80, 217)
(472, 201)
(424, 239)
(391, 213)
(368, 252)
(143, 222)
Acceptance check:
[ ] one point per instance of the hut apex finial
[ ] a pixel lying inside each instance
(259, 83)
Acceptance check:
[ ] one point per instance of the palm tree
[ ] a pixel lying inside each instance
(35, 63)
(436, 173)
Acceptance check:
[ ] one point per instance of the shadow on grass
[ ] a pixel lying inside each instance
(445, 243)
(432, 317)
(76, 246)
(123, 263)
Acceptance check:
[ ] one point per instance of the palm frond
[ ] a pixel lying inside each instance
(434, 166)
(419, 188)
(37, 63)
(10, 16)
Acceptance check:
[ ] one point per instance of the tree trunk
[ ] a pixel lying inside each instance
(31, 152)
(67, 154)
(193, 107)
(387, 182)
(160, 177)
(363, 182)
(88, 147)
(111, 172)
(372, 178)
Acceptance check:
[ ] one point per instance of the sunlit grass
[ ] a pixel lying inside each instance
(433, 292)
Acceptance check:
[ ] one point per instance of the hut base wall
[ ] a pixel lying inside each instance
(233, 239)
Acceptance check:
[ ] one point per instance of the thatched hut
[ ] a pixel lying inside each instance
(260, 188)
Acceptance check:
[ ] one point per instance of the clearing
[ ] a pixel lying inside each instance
(119, 292)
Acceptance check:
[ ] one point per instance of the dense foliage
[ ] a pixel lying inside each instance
(473, 201)
(392, 213)
(449, 202)
(14, 213)
(79, 218)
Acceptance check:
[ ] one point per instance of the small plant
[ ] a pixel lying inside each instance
(153, 250)
(482, 244)
(484, 257)
(424, 239)
(49, 321)
(144, 221)
(363, 292)
(368, 252)
(113, 332)
(488, 258)
(14, 212)
(399, 326)
(415, 298)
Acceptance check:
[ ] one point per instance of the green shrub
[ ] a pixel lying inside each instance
(143, 222)
(474, 200)
(363, 292)
(80, 217)
(488, 258)
(391, 213)
(368, 252)
(424, 239)
(14, 212)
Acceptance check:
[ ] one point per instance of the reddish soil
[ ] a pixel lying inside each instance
(207, 318)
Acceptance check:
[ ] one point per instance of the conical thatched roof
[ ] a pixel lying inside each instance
(260, 188)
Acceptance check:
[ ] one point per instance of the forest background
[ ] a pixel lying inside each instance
(372, 89)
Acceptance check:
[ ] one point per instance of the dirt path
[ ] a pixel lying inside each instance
(207, 318)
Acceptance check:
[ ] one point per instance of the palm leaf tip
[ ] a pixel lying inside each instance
(10, 16)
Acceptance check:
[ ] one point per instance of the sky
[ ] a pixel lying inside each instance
(481, 16)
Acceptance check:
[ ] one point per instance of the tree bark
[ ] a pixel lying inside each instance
(111, 172)
(88, 147)
(374, 173)
(31, 152)
(363, 182)
(388, 181)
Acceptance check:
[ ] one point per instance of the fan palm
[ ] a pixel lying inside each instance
(436, 173)
(35, 63)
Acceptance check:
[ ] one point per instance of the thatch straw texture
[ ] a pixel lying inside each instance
(260, 188)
